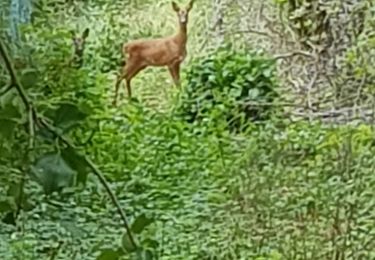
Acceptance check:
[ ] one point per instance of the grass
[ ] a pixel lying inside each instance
(283, 190)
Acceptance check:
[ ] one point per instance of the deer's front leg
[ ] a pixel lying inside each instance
(174, 70)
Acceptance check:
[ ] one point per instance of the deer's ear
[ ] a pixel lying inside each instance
(190, 5)
(85, 33)
(175, 6)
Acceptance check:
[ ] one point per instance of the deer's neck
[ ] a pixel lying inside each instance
(181, 36)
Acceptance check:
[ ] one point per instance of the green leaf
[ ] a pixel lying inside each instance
(127, 244)
(109, 254)
(268, 72)
(29, 78)
(45, 134)
(73, 229)
(140, 223)
(10, 116)
(9, 218)
(6, 128)
(67, 116)
(10, 111)
(5, 206)
(77, 163)
(14, 190)
(253, 93)
(52, 172)
(144, 254)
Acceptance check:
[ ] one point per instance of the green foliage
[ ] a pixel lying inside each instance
(225, 83)
(52, 173)
(67, 116)
(281, 190)
(140, 223)
(306, 18)
(109, 254)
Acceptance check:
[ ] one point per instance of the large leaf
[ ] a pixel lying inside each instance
(5, 206)
(10, 111)
(127, 244)
(76, 162)
(52, 172)
(9, 218)
(140, 223)
(144, 254)
(109, 254)
(14, 191)
(29, 78)
(46, 135)
(6, 128)
(67, 116)
(10, 115)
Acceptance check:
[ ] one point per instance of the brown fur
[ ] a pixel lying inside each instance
(168, 51)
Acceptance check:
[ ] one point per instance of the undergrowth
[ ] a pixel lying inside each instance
(275, 189)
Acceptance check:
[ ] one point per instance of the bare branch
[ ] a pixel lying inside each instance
(251, 31)
(294, 53)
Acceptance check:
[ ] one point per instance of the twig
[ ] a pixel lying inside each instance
(21, 192)
(251, 31)
(294, 53)
(13, 78)
(274, 104)
(360, 87)
(309, 87)
(34, 116)
(6, 90)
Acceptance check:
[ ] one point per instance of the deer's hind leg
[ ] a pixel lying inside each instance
(117, 86)
(131, 70)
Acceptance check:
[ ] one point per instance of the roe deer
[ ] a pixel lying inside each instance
(79, 42)
(168, 51)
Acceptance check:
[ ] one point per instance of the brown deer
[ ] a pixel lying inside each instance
(79, 42)
(168, 51)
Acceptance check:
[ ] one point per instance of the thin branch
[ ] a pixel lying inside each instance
(100, 176)
(32, 117)
(251, 31)
(13, 77)
(27, 159)
(294, 53)
(6, 90)
(274, 104)
(38, 120)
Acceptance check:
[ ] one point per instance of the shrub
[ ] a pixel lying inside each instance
(226, 83)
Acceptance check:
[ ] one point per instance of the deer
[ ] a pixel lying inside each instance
(169, 51)
(79, 42)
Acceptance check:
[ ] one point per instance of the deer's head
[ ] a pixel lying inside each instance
(183, 13)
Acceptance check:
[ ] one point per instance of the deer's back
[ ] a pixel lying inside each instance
(156, 52)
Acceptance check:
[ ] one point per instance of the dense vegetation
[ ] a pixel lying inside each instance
(163, 175)
(225, 83)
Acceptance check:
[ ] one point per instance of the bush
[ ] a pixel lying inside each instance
(226, 83)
